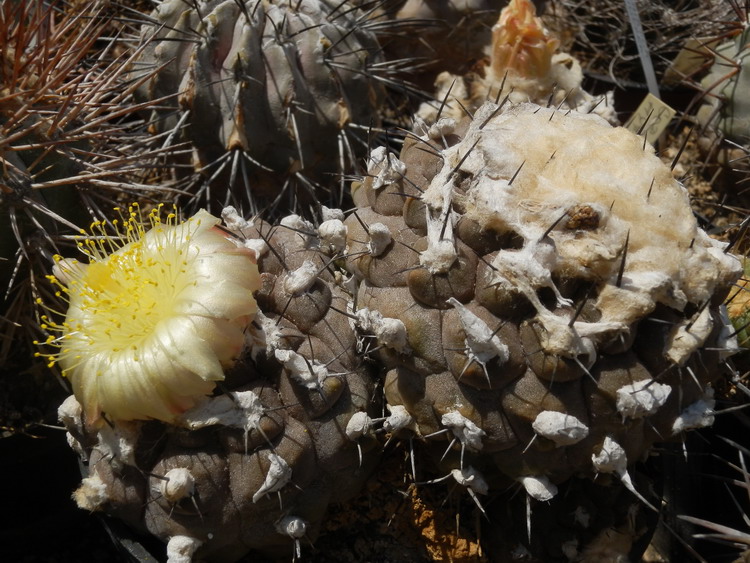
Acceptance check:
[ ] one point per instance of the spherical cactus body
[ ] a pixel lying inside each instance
(276, 97)
(553, 308)
(253, 467)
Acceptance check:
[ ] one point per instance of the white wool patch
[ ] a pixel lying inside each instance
(178, 483)
(332, 234)
(300, 280)
(444, 126)
(279, 474)
(235, 222)
(309, 374)
(688, 336)
(642, 398)
(331, 214)
(471, 479)
(698, 415)
(92, 494)
(563, 429)
(292, 526)
(611, 458)
(241, 409)
(539, 487)
(389, 332)
(398, 419)
(359, 425)
(118, 442)
(468, 433)
(380, 238)
(386, 168)
(482, 343)
(180, 549)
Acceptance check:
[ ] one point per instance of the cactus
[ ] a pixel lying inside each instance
(727, 106)
(275, 97)
(252, 467)
(537, 315)
(524, 66)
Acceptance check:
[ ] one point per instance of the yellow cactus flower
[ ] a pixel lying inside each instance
(155, 317)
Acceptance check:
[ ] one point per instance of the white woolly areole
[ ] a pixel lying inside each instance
(76, 446)
(471, 479)
(178, 483)
(265, 339)
(611, 458)
(563, 429)
(444, 126)
(398, 419)
(468, 433)
(481, 342)
(297, 223)
(70, 413)
(440, 253)
(300, 280)
(240, 409)
(389, 332)
(698, 415)
(234, 221)
(380, 238)
(330, 214)
(118, 442)
(539, 487)
(92, 494)
(359, 425)
(642, 398)
(257, 245)
(332, 234)
(292, 526)
(279, 474)
(180, 549)
(309, 374)
(386, 168)
(687, 337)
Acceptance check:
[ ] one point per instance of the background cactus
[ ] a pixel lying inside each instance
(728, 80)
(278, 98)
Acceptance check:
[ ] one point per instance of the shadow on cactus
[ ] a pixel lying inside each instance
(70, 146)
(279, 99)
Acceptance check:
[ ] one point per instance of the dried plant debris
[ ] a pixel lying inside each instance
(599, 33)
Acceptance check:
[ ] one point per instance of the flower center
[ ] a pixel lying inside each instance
(138, 267)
